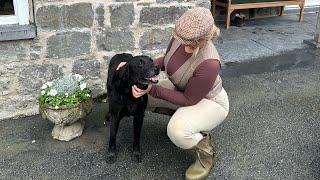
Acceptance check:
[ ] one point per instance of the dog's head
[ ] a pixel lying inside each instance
(143, 71)
(139, 70)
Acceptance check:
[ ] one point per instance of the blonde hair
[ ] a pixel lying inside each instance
(214, 33)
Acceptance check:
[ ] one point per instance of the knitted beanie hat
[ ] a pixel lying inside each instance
(194, 24)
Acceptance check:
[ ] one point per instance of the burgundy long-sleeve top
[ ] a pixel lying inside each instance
(198, 86)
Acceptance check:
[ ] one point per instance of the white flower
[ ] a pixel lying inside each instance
(66, 94)
(82, 86)
(43, 92)
(49, 84)
(88, 95)
(78, 77)
(44, 86)
(52, 92)
(56, 107)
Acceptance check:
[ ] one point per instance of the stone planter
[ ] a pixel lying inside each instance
(69, 121)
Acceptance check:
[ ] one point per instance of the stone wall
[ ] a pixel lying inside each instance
(80, 36)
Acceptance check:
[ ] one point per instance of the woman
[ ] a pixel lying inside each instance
(194, 89)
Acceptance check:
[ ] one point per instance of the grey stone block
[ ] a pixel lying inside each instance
(122, 15)
(97, 88)
(281, 43)
(26, 103)
(36, 44)
(100, 15)
(7, 71)
(144, 3)
(232, 34)
(79, 15)
(34, 56)
(242, 50)
(49, 17)
(288, 37)
(68, 44)
(160, 15)
(4, 85)
(155, 39)
(154, 54)
(13, 51)
(205, 4)
(15, 106)
(32, 77)
(115, 40)
(87, 68)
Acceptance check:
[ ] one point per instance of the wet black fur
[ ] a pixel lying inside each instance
(120, 99)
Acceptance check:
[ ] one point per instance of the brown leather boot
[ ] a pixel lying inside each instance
(204, 153)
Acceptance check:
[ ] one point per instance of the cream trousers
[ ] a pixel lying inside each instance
(187, 122)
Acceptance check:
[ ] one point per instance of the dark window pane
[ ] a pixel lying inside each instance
(6, 7)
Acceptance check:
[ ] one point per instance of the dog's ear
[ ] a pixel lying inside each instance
(123, 72)
(121, 77)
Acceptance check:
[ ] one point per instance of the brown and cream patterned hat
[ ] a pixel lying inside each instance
(193, 24)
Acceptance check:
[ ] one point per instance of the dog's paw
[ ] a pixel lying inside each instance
(137, 156)
(111, 157)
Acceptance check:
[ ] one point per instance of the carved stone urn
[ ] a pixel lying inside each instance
(69, 120)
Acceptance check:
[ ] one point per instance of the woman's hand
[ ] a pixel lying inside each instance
(121, 64)
(137, 92)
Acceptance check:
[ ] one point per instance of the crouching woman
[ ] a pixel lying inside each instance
(193, 90)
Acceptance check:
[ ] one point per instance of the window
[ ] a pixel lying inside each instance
(14, 12)
(15, 20)
(6, 7)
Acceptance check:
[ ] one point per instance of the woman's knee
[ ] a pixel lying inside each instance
(177, 138)
(180, 136)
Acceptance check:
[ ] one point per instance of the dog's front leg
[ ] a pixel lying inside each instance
(137, 125)
(111, 154)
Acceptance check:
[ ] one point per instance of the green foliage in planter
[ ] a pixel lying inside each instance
(67, 90)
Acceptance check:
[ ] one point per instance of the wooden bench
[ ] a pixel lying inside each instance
(232, 5)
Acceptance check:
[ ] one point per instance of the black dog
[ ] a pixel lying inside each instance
(139, 71)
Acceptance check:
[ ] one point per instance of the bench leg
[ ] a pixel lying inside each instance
(301, 11)
(213, 8)
(229, 11)
(281, 11)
